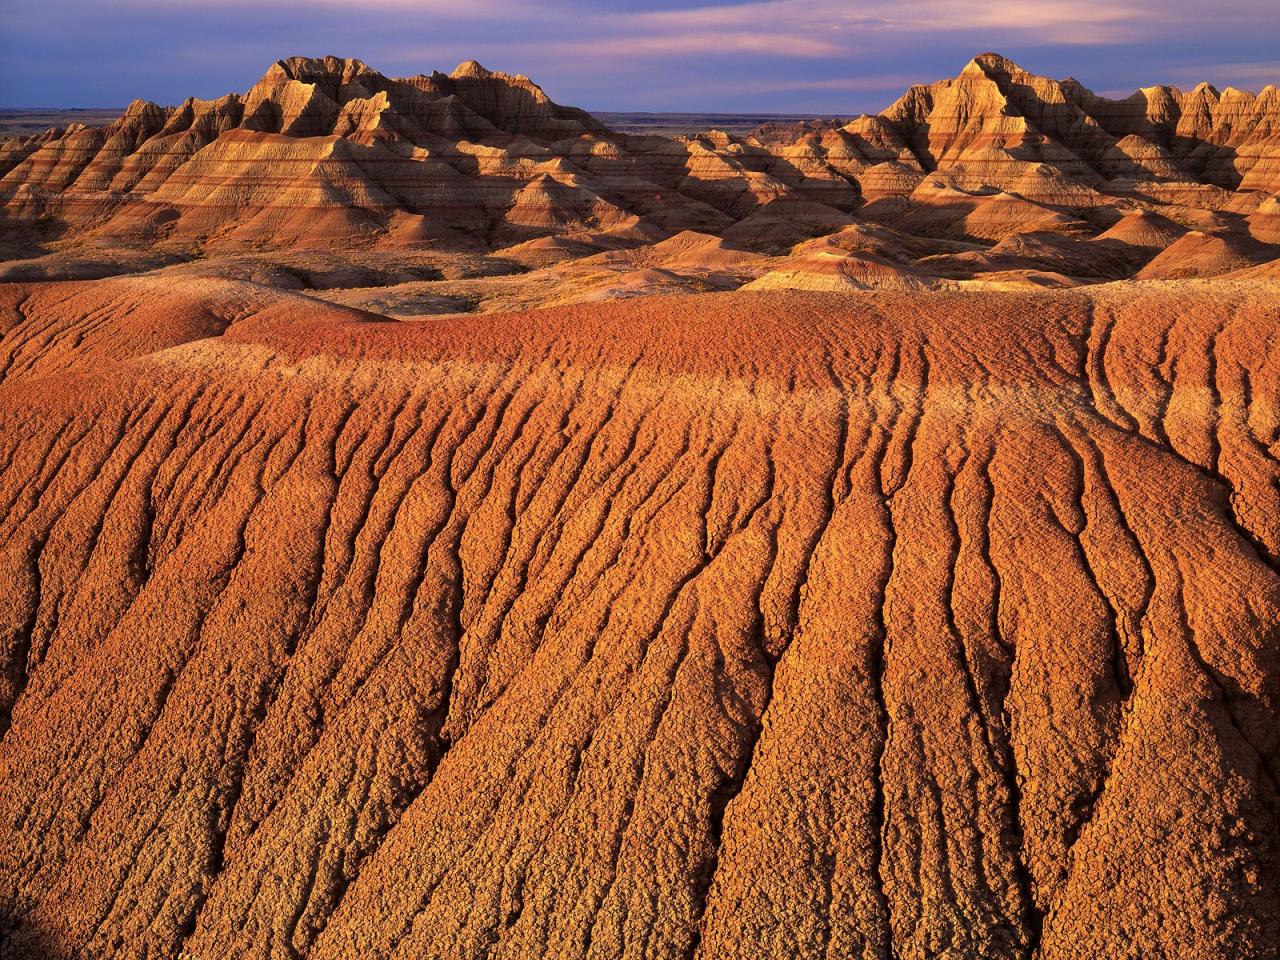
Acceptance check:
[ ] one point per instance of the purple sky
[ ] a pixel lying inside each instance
(786, 56)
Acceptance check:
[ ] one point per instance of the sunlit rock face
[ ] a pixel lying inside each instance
(475, 151)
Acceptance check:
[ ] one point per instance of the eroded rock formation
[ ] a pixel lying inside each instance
(350, 606)
(758, 624)
(325, 152)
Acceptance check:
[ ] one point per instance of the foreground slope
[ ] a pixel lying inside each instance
(741, 625)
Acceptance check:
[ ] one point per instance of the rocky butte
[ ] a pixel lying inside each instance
(433, 524)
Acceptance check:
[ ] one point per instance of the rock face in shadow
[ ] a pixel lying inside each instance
(743, 625)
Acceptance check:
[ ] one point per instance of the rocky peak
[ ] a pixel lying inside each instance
(993, 62)
(470, 69)
(336, 70)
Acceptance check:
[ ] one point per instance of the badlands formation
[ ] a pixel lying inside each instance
(474, 192)
(435, 525)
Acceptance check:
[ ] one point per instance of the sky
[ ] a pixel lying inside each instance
(778, 56)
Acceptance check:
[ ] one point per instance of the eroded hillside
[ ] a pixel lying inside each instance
(746, 625)
(473, 191)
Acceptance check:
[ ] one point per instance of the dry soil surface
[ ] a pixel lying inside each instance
(734, 625)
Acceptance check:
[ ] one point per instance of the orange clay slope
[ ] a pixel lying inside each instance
(740, 625)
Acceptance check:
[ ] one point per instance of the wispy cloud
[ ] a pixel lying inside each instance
(890, 83)
(806, 55)
(1066, 21)
(800, 28)
(437, 8)
(1248, 76)
(698, 43)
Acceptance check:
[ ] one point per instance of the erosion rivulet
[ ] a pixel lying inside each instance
(735, 625)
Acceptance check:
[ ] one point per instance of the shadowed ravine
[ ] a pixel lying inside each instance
(740, 625)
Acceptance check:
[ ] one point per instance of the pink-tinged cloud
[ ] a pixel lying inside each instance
(1072, 20)
(1246, 76)
(811, 56)
(1051, 21)
(702, 43)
